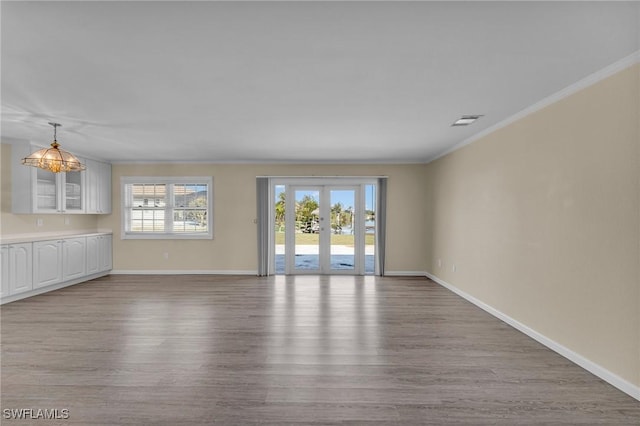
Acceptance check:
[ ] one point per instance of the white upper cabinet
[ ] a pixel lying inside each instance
(44, 193)
(38, 191)
(98, 187)
(72, 189)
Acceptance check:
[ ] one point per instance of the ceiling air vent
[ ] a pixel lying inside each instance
(465, 120)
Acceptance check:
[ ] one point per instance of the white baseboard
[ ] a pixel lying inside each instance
(606, 375)
(404, 273)
(182, 272)
(49, 288)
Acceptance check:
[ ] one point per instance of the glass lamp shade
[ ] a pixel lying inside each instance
(54, 160)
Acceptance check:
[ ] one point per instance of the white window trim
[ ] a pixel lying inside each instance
(167, 180)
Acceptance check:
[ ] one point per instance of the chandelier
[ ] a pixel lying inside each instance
(54, 159)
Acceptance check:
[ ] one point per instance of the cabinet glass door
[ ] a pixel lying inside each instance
(46, 191)
(73, 192)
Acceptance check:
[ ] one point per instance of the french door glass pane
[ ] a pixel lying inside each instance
(342, 248)
(307, 230)
(370, 229)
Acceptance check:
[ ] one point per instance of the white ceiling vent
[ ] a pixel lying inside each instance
(465, 120)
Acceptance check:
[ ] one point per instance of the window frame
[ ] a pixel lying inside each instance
(169, 208)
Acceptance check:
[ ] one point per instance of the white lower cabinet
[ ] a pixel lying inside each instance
(17, 273)
(74, 258)
(99, 257)
(20, 268)
(56, 261)
(106, 253)
(4, 283)
(93, 256)
(65, 261)
(47, 263)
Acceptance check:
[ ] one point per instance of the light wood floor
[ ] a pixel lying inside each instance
(182, 350)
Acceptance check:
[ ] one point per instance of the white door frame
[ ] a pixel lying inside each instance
(324, 185)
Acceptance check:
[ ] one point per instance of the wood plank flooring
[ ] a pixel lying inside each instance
(183, 350)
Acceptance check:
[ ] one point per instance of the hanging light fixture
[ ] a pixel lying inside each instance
(54, 159)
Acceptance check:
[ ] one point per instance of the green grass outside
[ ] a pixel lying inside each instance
(312, 239)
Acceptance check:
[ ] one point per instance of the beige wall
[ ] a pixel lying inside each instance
(11, 224)
(542, 220)
(234, 247)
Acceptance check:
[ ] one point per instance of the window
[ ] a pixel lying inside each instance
(167, 207)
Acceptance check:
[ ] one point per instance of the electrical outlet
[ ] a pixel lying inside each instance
(454, 268)
(439, 263)
(39, 222)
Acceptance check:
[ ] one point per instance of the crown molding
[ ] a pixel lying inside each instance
(590, 80)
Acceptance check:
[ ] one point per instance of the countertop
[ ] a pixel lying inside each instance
(45, 236)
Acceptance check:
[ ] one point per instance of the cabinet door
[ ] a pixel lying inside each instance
(98, 187)
(46, 191)
(58, 192)
(4, 284)
(74, 258)
(93, 254)
(47, 263)
(104, 192)
(20, 268)
(35, 190)
(72, 191)
(106, 256)
(92, 177)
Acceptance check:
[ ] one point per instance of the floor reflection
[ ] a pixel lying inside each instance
(321, 318)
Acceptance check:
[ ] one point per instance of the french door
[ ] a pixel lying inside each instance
(325, 230)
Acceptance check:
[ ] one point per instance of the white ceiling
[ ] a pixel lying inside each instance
(291, 81)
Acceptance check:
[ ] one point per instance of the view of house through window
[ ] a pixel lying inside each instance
(167, 207)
